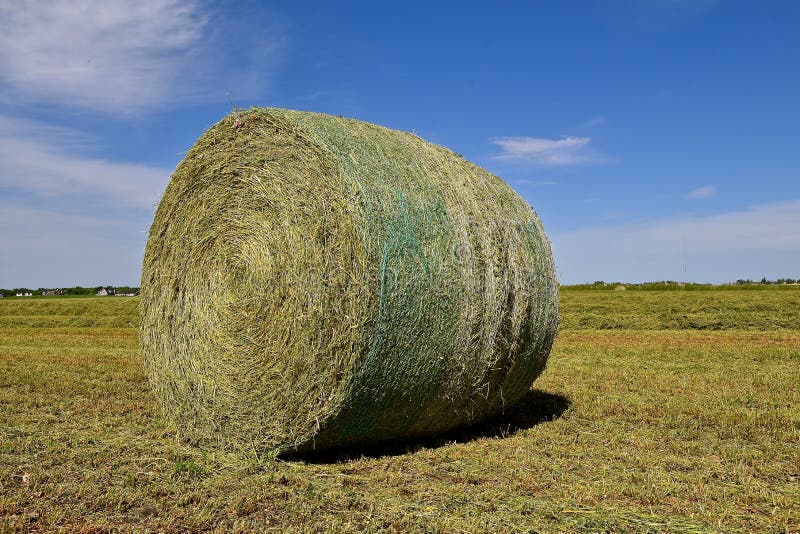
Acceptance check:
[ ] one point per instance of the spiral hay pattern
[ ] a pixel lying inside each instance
(312, 282)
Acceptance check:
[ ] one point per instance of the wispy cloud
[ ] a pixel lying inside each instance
(534, 183)
(41, 160)
(763, 240)
(87, 250)
(702, 192)
(594, 121)
(117, 56)
(537, 150)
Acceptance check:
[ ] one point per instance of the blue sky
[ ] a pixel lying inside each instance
(657, 139)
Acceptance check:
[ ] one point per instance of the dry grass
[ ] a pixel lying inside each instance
(121, 312)
(628, 430)
(718, 309)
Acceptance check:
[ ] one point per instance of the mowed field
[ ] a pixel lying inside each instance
(659, 411)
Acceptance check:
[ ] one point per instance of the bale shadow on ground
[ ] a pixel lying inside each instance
(534, 408)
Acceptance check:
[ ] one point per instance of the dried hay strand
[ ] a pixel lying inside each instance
(311, 282)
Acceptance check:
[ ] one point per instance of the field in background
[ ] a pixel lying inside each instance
(672, 411)
(777, 307)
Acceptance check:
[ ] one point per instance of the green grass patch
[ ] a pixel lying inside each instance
(583, 309)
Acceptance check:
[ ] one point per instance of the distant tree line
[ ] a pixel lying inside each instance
(673, 285)
(766, 282)
(69, 291)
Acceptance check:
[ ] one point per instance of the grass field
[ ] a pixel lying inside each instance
(659, 411)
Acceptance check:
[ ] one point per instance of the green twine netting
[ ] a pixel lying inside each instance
(312, 282)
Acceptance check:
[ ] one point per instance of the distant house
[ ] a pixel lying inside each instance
(23, 294)
(102, 292)
(53, 292)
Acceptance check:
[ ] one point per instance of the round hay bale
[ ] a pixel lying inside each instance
(312, 281)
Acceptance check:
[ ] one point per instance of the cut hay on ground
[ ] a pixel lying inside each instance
(312, 281)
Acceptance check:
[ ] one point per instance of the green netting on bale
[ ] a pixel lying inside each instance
(312, 281)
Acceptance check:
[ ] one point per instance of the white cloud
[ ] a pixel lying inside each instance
(39, 159)
(763, 240)
(564, 151)
(526, 181)
(48, 249)
(117, 56)
(702, 192)
(594, 121)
